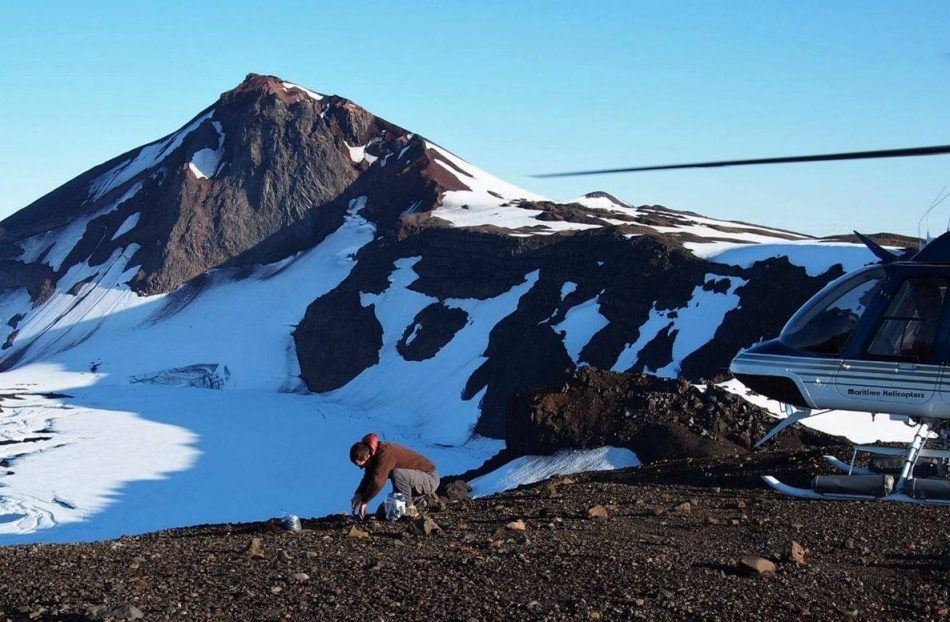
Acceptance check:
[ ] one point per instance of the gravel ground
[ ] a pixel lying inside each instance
(652, 557)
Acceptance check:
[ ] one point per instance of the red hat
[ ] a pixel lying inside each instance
(373, 441)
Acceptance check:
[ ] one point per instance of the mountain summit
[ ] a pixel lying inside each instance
(285, 242)
(272, 169)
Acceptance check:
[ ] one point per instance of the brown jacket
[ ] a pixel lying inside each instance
(389, 456)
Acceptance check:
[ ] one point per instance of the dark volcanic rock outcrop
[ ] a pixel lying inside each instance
(282, 163)
(628, 279)
(654, 417)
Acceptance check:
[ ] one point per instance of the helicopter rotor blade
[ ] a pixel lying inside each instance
(852, 155)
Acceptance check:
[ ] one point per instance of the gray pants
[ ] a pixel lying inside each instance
(414, 483)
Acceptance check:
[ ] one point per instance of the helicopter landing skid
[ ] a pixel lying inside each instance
(808, 493)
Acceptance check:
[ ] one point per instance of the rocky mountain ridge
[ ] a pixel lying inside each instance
(265, 174)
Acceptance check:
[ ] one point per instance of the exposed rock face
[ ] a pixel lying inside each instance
(283, 158)
(629, 280)
(37, 278)
(431, 329)
(656, 418)
(338, 338)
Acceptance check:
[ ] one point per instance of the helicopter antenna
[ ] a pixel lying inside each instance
(940, 198)
(852, 155)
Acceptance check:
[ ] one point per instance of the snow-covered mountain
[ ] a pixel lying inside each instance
(224, 310)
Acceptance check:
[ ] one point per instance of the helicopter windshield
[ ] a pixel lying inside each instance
(909, 327)
(825, 323)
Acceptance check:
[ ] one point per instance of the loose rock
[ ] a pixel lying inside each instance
(516, 525)
(683, 508)
(458, 490)
(598, 511)
(425, 526)
(119, 612)
(356, 532)
(795, 553)
(255, 550)
(755, 565)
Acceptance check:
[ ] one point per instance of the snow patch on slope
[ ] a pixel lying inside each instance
(531, 469)
(205, 162)
(489, 200)
(147, 157)
(60, 242)
(127, 225)
(439, 409)
(193, 324)
(655, 322)
(697, 322)
(580, 324)
(816, 258)
(312, 94)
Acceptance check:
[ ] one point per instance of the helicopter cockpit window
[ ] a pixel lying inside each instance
(910, 325)
(825, 325)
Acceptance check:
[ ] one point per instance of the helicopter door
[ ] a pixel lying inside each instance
(899, 365)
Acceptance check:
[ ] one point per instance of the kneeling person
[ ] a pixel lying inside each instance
(411, 473)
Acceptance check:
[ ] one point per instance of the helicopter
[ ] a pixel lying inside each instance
(873, 340)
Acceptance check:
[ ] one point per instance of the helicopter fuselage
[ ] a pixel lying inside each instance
(874, 340)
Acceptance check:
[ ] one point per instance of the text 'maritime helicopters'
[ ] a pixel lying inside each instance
(874, 340)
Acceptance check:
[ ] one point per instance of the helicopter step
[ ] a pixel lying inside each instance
(895, 454)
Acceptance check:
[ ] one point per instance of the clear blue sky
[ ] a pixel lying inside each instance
(520, 88)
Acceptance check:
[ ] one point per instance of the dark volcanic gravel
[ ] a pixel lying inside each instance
(653, 557)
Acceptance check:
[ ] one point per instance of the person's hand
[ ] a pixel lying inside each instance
(355, 502)
(363, 510)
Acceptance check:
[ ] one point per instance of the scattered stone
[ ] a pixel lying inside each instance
(301, 577)
(425, 526)
(116, 612)
(276, 589)
(683, 508)
(255, 550)
(356, 532)
(430, 503)
(458, 490)
(795, 553)
(712, 520)
(550, 491)
(755, 565)
(283, 556)
(598, 511)
(516, 525)
(659, 510)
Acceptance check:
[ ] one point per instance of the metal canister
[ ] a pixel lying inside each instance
(292, 522)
